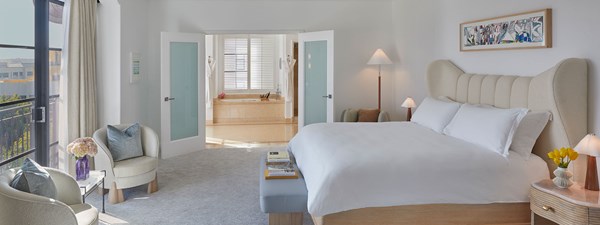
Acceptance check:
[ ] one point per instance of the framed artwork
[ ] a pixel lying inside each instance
(524, 30)
(134, 67)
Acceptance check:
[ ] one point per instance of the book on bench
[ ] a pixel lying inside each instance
(282, 171)
(291, 174)
(278, 157)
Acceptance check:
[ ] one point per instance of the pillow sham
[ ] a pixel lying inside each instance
(125, 144)
(435, 114)
(368, 115)
(528, 132)
(489, 127)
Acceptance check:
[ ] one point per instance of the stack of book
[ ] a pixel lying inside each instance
(279, 166)
(282, 157)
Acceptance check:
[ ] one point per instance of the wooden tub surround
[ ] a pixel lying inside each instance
(248, 108)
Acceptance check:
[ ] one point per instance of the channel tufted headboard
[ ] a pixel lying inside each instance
(561, 90)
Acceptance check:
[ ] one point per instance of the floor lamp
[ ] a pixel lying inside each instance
(379, 58)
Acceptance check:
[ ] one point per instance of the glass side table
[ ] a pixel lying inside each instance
(95, 180)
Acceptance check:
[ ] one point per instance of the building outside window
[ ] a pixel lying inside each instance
(17, 81)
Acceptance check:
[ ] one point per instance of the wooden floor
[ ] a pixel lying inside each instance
(249, 135)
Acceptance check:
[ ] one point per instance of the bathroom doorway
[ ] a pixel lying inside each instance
(249, 82)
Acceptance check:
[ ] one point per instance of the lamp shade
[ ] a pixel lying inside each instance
(409, 103)
(379, 58)
(589, 145)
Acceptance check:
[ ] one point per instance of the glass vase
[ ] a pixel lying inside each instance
(82, 168)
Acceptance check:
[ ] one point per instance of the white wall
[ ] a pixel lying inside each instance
(416, 41)
(134, 24)
(434, 35)
(360, 28)
(108, 62)
(413, 33)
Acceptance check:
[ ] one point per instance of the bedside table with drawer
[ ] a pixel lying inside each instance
(574, 205)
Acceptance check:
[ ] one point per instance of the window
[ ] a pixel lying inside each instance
(249, 62)
(17, 69)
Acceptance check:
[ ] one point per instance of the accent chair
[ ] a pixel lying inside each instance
(130, 172)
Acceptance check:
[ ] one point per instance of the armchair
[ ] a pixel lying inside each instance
(130, 172)
(19, 207)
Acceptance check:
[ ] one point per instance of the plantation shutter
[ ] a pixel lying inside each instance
(262, 62)
(235, 63)
(249, 62)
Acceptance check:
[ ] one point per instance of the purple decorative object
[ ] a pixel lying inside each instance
(82, 168)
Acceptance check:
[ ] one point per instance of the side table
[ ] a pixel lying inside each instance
(95, 180)
(574, 205)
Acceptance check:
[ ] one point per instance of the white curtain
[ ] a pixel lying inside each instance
(77, 103)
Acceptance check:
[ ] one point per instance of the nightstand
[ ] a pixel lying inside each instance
(574, 205)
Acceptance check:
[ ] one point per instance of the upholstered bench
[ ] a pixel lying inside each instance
(283, 199)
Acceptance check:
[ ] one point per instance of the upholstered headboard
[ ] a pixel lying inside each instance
(561, 90)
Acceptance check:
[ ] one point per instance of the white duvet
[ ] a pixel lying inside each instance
(356, 165)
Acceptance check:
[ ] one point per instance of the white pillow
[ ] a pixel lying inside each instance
(489, 127)
(528, 132)
(435, 114)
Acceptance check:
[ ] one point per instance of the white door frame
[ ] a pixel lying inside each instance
(186, 145)
(315, 36)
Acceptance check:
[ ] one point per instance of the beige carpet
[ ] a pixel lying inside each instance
(214, 186)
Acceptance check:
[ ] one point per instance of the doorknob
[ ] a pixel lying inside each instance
(329, 96)
(169, 99)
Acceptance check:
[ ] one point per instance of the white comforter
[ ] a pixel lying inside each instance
(356, 165)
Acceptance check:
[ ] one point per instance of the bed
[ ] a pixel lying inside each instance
(398, 172)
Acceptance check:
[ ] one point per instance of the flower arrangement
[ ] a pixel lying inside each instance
(81, 147)
(563, 157)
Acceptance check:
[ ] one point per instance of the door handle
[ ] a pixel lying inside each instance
(169, 99)
(329, 96)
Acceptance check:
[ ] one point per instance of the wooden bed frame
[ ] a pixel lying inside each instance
(561, 90)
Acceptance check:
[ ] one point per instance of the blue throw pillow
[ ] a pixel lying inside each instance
(125, 144)
(33, 178)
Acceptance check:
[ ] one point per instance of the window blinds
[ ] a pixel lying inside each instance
(250, 62)
(235, 63)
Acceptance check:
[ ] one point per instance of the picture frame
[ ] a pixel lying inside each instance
(135, 74)
(532, 29)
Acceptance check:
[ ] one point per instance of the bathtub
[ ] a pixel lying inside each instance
(248, 108)
(240, 100)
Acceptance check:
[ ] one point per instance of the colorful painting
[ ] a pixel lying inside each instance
(524, 30)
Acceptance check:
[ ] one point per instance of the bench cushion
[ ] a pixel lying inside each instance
(282, 195)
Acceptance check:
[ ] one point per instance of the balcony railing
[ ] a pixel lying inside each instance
(16, 126)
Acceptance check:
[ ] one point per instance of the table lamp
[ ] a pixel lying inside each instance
(408, 103)
(379, 58)
(590, 146)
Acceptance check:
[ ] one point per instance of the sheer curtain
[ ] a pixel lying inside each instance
(77, 103)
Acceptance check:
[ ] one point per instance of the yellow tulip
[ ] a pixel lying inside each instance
(563, 152)
(551, 155)
(573, 156)
(556, 153)
(557, 161)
